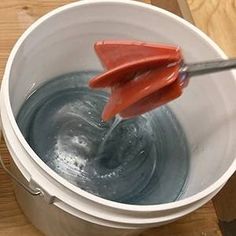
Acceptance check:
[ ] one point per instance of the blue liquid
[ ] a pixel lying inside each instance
(138, 161)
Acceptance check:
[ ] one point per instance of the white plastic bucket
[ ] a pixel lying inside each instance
(61, 42)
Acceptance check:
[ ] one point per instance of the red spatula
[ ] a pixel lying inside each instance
(143, 76)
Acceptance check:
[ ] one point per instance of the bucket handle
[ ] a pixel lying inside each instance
(34, 192)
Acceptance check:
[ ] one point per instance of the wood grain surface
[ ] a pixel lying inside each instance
(15, 17)
(217, 19)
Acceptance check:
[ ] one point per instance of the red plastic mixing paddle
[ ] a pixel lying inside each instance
(143, 76)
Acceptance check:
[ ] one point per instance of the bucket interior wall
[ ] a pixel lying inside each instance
(206, 111)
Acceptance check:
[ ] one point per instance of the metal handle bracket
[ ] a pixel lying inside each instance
(34, 192)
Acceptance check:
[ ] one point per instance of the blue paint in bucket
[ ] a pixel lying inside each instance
(144, 160)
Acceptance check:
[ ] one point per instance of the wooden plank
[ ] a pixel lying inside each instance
(225, 201)
(228, 228)
(145, 1)
(178, 7)
(171, 5)
(185, 10)
(217, 19)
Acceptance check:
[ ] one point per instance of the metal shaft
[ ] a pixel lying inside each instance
(208, 67)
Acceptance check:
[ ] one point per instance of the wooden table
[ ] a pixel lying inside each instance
(218, 19)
